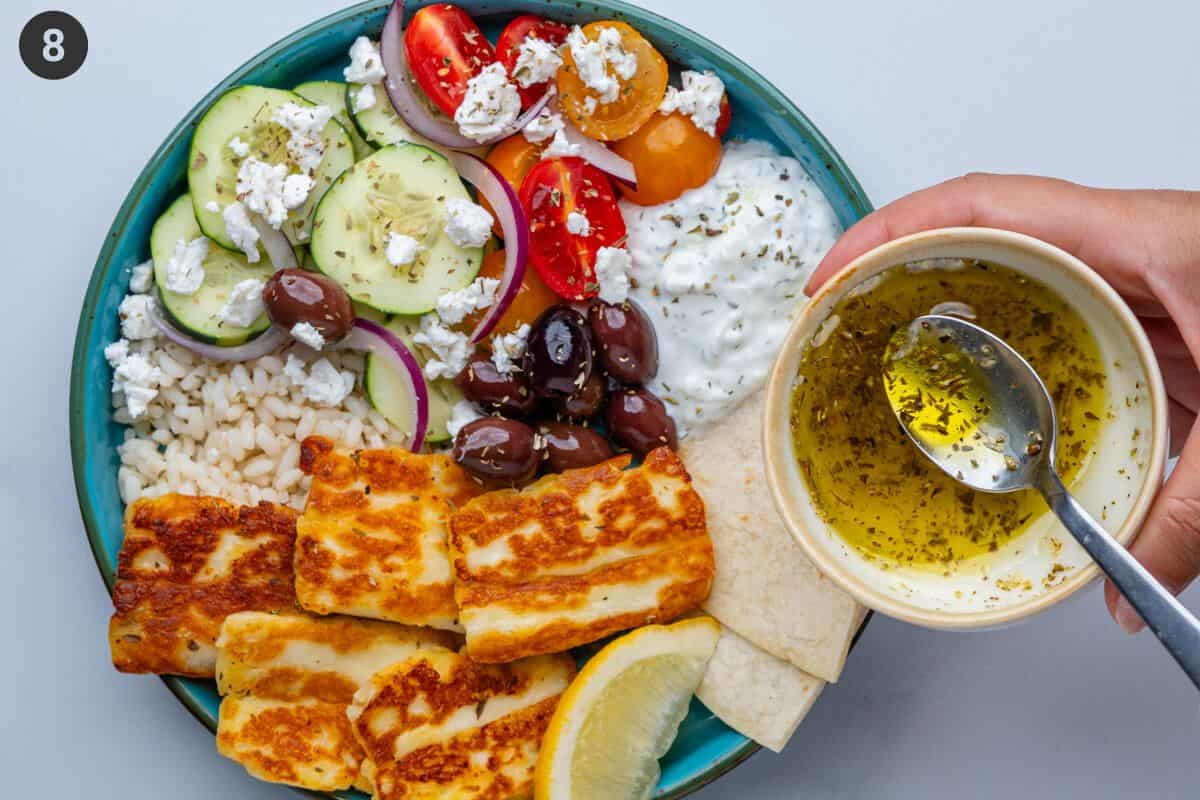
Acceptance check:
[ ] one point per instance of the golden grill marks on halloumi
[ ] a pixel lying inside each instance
(577, 556)
(443, 727)
(372, 539)
(186, 564)
(288, 680)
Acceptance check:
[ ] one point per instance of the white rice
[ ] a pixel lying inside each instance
(234, 430)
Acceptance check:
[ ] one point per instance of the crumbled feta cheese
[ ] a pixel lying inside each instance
(134, 377)
(612, 274)
(260, 188)
(306, 124)
(239, 148)
(453, 307)
(451, 349)
(245, 304)
(594, 57)
(559, 147)
(323, 384)
(490, 104)
(295, 190)
(467, 224)
(241, 231)
(135, 317)
(185, 269)
(537, 62)
(543, 126)
(462, 413)
(366, 65)
(307, 333)
(401, 250)
(116, 352)
(700, 99)
(141, 278)
(294, 370)
(364, 98)
(589, 106)
(578, 224)
(508, 349)
(213, 206)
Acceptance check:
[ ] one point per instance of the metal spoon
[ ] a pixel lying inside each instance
(1003, 408)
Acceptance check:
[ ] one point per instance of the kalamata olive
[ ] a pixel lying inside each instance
(587, 402)
(294, 295)
(497, 450)
(558, 353)
(639, 420)
(626, 345)
(572, 446)
(482, 383)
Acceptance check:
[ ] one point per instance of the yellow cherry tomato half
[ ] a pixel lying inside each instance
(513, 158)
(670, 155)
(639, 97)
(532, 298)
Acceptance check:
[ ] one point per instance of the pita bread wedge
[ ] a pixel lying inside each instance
(762, 697)
(764, 589)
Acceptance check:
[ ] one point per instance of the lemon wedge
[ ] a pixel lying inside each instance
(621, 713)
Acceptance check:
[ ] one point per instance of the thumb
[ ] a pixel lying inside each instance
(1169, 544)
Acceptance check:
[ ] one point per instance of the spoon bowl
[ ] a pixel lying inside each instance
(971, 403)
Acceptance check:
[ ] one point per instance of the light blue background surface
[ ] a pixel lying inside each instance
(1097, 92)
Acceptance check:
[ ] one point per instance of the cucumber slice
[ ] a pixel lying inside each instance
(386, 390)
(333, 94)
(380, 124)
(223, 269)
(403, 189)
(245, 112)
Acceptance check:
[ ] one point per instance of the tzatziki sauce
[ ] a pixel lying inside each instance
(720, 272)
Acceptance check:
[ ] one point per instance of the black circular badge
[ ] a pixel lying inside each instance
(53, 45)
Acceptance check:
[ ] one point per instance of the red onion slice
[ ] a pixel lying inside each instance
(278, 248)
(599, 156)
(503, 200)
(406, 99)
(266, 342)
(382, 343)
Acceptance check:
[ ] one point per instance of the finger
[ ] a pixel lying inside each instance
(1180, 373)
(1043, 207)
(1183, 421)
(1169, 544)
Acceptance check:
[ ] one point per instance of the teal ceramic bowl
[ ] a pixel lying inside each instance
(705, 748)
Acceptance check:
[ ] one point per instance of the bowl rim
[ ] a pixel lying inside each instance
(773, 97)
(777, 443)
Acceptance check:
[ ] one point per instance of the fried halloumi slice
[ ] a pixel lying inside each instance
(299, 656)
(303, 743)
(443, 727)
(288, 680)
(577, 556)
(372, 539)
(186, 564)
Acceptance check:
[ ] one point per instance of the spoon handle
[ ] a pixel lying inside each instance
(1173, 624)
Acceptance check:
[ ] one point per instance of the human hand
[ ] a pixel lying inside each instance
(1146, 244)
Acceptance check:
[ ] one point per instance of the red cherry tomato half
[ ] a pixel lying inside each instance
(509, 46)
(550, 192)
(726, 116)
(446, 49)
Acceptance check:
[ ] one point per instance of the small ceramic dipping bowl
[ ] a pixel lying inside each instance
(1043, 565)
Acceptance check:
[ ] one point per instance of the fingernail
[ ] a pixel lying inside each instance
(1127, 618)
